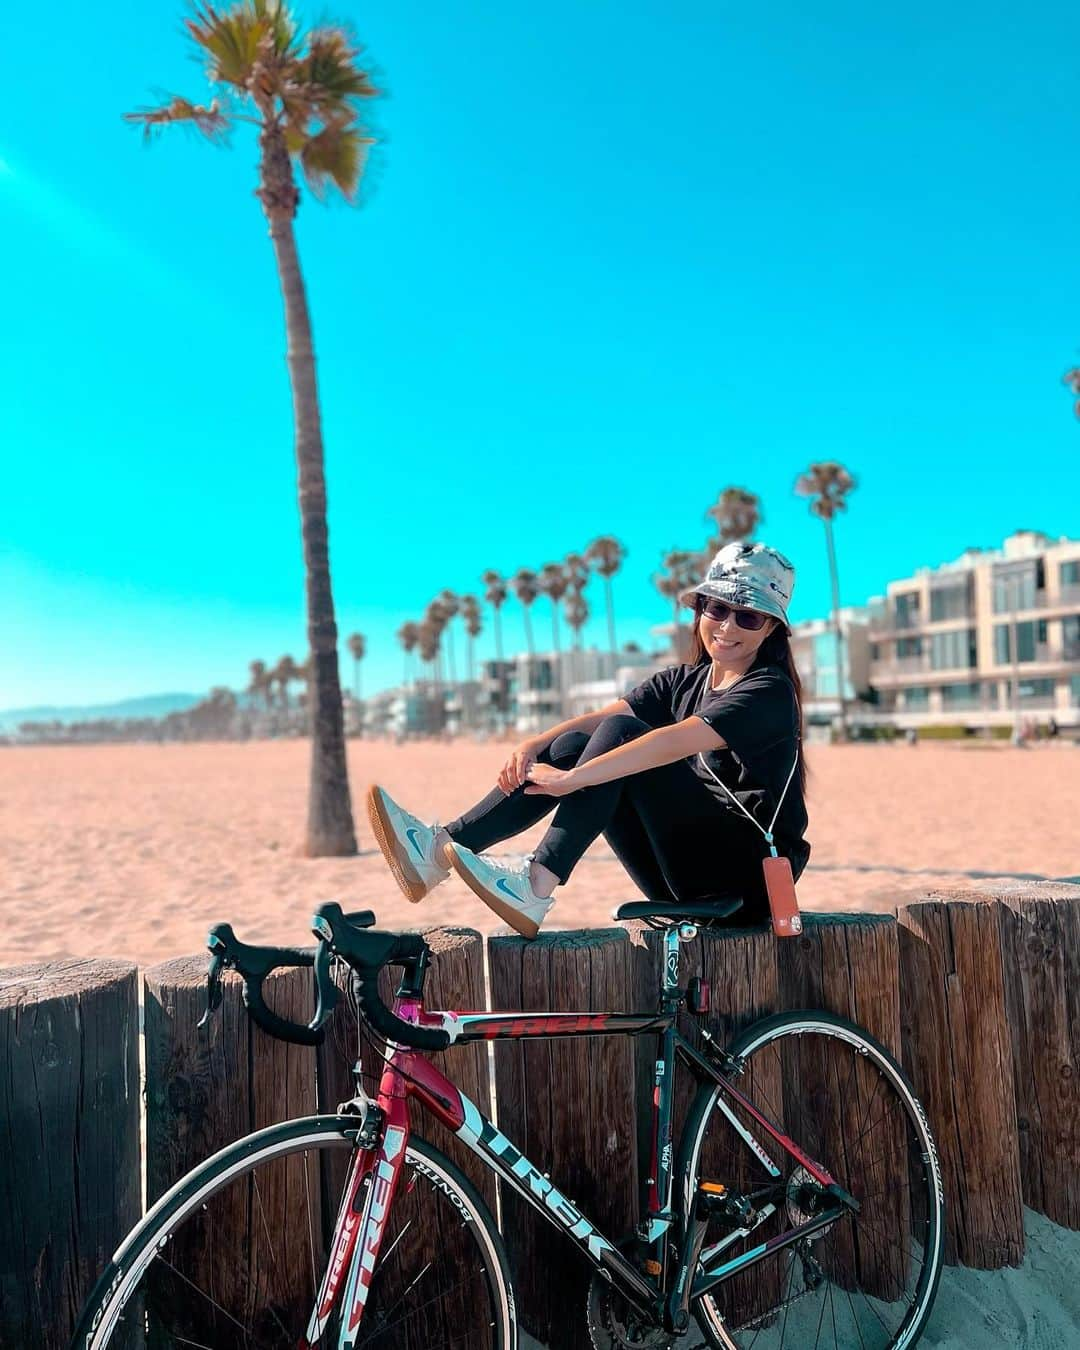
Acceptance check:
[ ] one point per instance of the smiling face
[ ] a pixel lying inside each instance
(728, 645)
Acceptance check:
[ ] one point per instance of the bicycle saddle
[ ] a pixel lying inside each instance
(696, 911)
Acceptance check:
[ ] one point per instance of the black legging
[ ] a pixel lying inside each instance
(677, 841)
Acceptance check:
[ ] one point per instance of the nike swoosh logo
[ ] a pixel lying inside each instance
(410, 832)
(501, 885)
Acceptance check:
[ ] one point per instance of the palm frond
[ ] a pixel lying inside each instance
(235, 39)
(328, 68)
(209, 119)
(335, 154)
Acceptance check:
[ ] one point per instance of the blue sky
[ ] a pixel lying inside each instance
(612, 258)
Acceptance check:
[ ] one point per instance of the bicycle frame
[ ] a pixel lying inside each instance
(375, 1170)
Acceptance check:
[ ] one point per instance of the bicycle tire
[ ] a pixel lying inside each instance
(101, 1324)
(772, 1031)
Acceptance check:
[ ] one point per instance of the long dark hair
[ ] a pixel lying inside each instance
(774, 651)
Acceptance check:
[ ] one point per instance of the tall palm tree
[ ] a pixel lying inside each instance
(451, 605)
(283, 674)
(606, 555)
(681, 569)
(428, 645)
(576, 609)
(576, 566)
(436, 617)
(495, 594)
(736, 515)
(408, 635)
(553, 583)
(259, 684)
(357, 645)
(526, 588)
(303, 91)
(1071, 378)
(470, 615)
(827, 484)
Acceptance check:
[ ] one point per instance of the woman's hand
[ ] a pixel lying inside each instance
(552, 782)
(516, 769)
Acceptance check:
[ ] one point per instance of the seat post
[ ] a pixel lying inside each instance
(674, 934)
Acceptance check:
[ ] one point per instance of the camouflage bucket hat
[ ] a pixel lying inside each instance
(751, 576)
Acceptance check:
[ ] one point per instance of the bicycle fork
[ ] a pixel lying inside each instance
(370, 1186)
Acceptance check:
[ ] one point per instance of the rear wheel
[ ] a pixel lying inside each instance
(232, 1257)
(867, 1279)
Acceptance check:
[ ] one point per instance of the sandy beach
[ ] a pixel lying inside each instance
(133, 851)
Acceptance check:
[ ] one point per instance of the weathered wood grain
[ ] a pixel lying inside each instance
(1040, 929)
(69, 1136)
(568, 1105)
(847, 964)
(958, 1055)
(204, 1089)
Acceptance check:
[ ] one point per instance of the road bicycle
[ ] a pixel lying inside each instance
(801, 1205)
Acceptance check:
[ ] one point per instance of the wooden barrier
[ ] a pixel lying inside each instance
(70, 1185)
(982, 1001)
(958, 1054)
(1040, 929)
(568, 1105)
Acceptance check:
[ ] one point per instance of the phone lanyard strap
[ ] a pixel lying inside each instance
(769, 832)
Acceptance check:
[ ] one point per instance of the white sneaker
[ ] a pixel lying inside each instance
(407, 844)
(504, 887)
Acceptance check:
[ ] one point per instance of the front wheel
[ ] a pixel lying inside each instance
(867, 1279)
(233, 1255)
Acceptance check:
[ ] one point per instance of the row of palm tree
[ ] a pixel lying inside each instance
(562, 583)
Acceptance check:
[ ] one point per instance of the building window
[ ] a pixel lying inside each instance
(1018, 587)
(916, 699)
(954, 601)
(875, 651)
(1069, 573)
(1074, 690)
(953, 651)
(1070, 637)
(906, 609)
(908, 647)
(1036, 690)
(1030, 636)
(961, 695)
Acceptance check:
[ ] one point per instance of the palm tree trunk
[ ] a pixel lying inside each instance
(330, 830)
(498, 635)
(835, 581)
(610, 614)
(555, 624)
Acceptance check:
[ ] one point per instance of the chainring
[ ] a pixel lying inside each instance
(615, 1325)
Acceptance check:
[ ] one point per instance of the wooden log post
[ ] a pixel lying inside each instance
(568, 1106)
(847, 964)
(70, 1185)
(958, 1054)
(206, 1088)
(1040, 929)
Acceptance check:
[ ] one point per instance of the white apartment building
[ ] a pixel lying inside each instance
(982, 640)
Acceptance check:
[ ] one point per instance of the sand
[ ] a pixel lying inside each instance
(133, 851)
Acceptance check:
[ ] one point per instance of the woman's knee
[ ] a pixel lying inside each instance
(565, 749)
(618, 728)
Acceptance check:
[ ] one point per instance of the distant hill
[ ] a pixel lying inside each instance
(153, 705)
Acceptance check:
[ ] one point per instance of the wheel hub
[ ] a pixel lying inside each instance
(805, 1201)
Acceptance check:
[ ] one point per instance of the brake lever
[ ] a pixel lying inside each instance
(328, 992)
(213, 987)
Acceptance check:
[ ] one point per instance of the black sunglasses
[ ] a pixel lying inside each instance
(749, 619)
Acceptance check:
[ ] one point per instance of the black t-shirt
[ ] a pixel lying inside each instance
(758, 717)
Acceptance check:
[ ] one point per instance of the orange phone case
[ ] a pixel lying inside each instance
(780, 885)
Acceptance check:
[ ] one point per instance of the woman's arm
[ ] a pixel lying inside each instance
(665, 745)
(523, 756)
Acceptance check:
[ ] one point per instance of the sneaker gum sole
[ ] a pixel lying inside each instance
(408, 880)
(514, 917)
